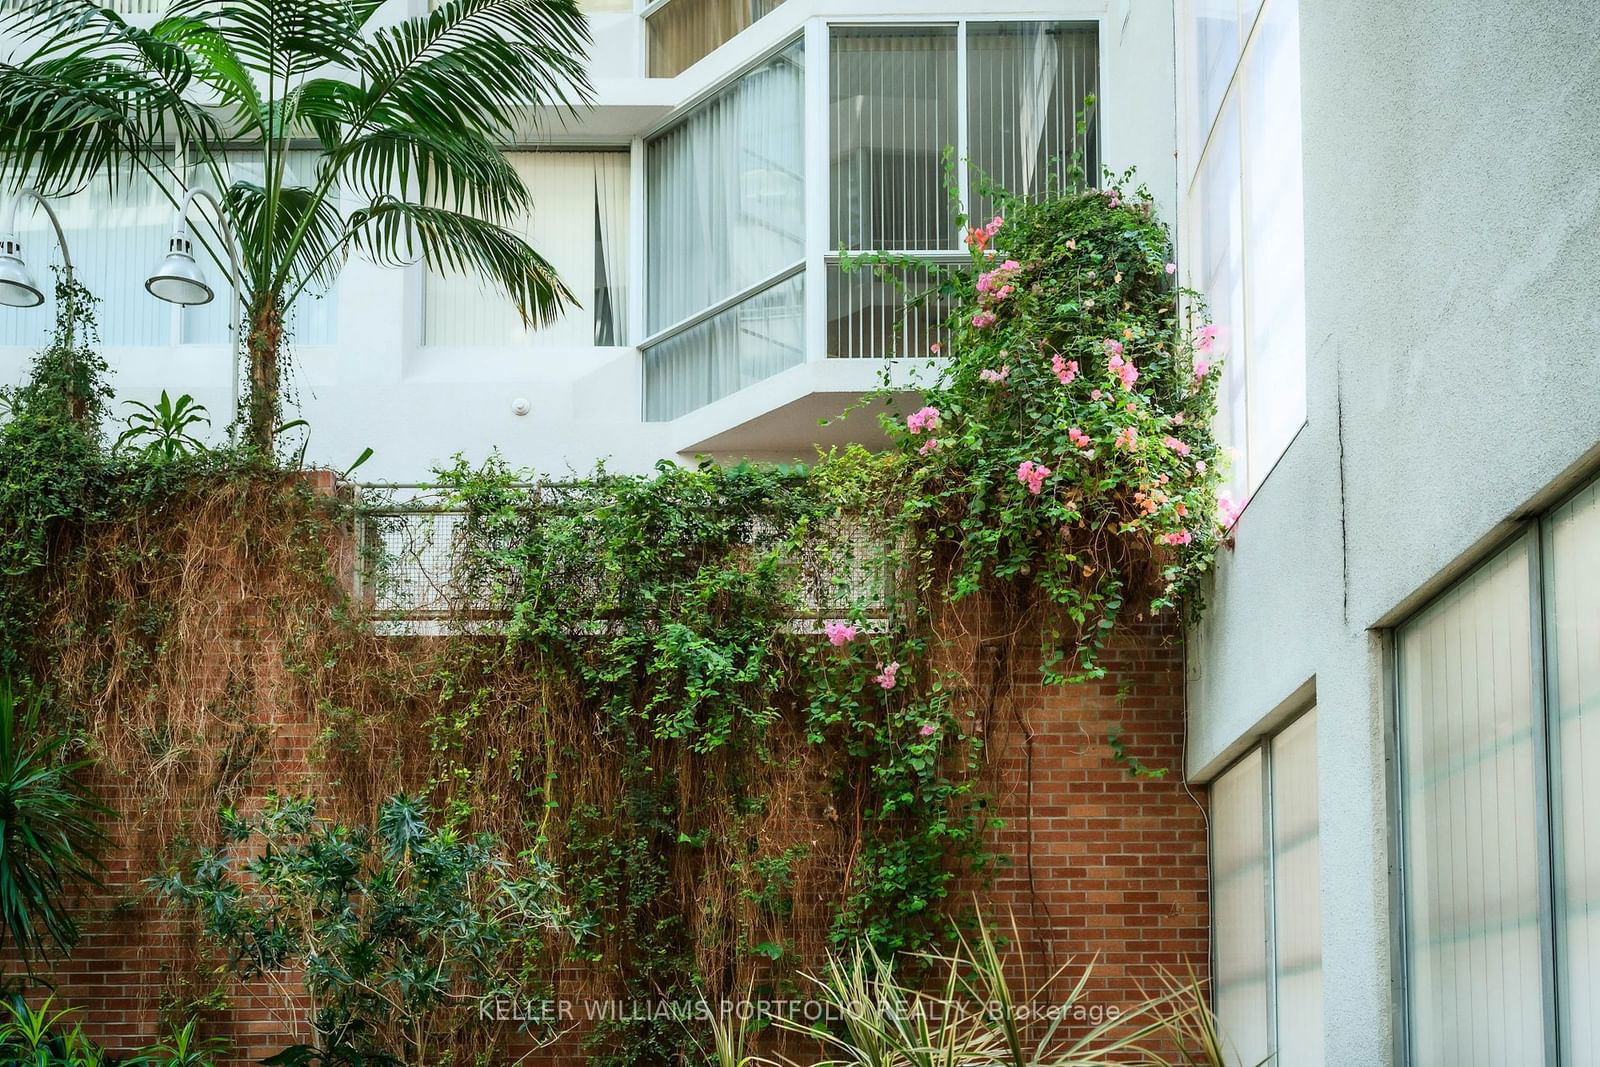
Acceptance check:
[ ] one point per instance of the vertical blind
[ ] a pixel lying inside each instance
(726, 190)
(1573, 594)
(1469, 768)
(740, 346)
(1026, 84)
(684, 31)
(1297, 894)
(579, 222)
(1239, 880)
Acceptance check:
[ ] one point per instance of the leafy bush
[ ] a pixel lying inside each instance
(50, 833)
(400, 934)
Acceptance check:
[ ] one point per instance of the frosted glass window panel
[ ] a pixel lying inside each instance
(685, 31)
(1473, 951)
(314, 317)
(726, 190)
(745, 344)
(1573, 592)
(1216, 202)
(871, 318)
(892, 112)
(1297, 893)
(1274, 239)
(1239, 888)
(1026, 84)
(116, 238)
(578, 223)
(1214, 42)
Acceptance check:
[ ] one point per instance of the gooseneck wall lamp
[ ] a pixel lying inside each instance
(178, 279)
(18, 288)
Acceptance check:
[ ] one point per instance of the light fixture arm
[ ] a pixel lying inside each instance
(61, 235)
(234, 307)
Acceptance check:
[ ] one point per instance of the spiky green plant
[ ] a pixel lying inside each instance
(408, 119)
(50, 829)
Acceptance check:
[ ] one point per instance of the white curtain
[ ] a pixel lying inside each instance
(726, 192)
(578, 222)
(1469, 798)
(750, 341)
(1239, 886)
(1297, 894)
(1574, 654)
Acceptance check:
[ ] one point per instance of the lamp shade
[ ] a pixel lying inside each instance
(178, 279)
(17, 287)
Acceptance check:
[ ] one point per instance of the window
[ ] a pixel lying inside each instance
(898, 98)
(682, 32)
(726, 225)
(579, 222)
(1498, 731)
(1244, 213)
(116, 238)
(1266, 897)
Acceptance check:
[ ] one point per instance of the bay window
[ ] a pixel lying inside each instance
(1498, 733)
(1244, 213)
(1266, 893)
(577, 220)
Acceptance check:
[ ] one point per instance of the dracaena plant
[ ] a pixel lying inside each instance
(407, 119)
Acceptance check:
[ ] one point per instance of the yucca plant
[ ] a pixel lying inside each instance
(50, 832)
(408, 118)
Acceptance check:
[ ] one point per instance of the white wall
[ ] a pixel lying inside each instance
(1452, 203)
(417, 406)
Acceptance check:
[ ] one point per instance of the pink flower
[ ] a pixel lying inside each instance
(1200, 466)
(933, 349)
(885, 675)
(1227, 510)
(977, 238)
(1032, 475)
(1204, 338)
(1123, 369)
(996, 376)
(928, 729)
(1201, 368)
(930, 445)
(1172, 268)
(983, 320)
(1094, 394)
(1113, 198)
(1181, 537)
(925, 419)
(1113, 348)
(1064, 369)
(1176, 445)
(1127, 437)
(1079, 438)
(994, 225)
(840, 633)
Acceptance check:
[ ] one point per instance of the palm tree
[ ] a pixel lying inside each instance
(408, 119)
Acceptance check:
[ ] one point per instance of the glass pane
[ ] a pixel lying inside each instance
(1574, 651)
(1026, 83)
(726, 192)
(1471, 854)
(892, 113)
(870, 318)
(1297, 893)
(578, 222)
(685, 31)
(1239, 885)
(738, 347)
(1214, 43)
(115, 241)
(1215, 208)
(1275, 269)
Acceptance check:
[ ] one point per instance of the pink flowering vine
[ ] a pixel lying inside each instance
(982, 320)
(1204, 338)
(1078, 438)
(886, 675)
(840, 633)
(928, 729)
(1113, 347)
(1227, 509)
(1065, 369)
(1123, 369)
(1179, 537)
(1032, 475)
(925, 419)
(1176, 445)
(929, 446)
(996, 376)
(1127, 437)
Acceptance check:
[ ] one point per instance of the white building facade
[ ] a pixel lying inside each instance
(1391, 210)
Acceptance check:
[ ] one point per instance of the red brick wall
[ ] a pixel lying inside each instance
(1102, 865)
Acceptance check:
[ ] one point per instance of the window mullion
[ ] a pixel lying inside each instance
(1541, 624)
(963, 192)
(1269, 898)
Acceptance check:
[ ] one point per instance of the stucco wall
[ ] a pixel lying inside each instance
(1452, 207)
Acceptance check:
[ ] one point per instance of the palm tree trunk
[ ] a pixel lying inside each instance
(263, 405)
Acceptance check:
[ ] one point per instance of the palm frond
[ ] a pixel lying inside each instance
(470, 64)
(281, 40)
(395, 233)
(313, 258)
(461, 173)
